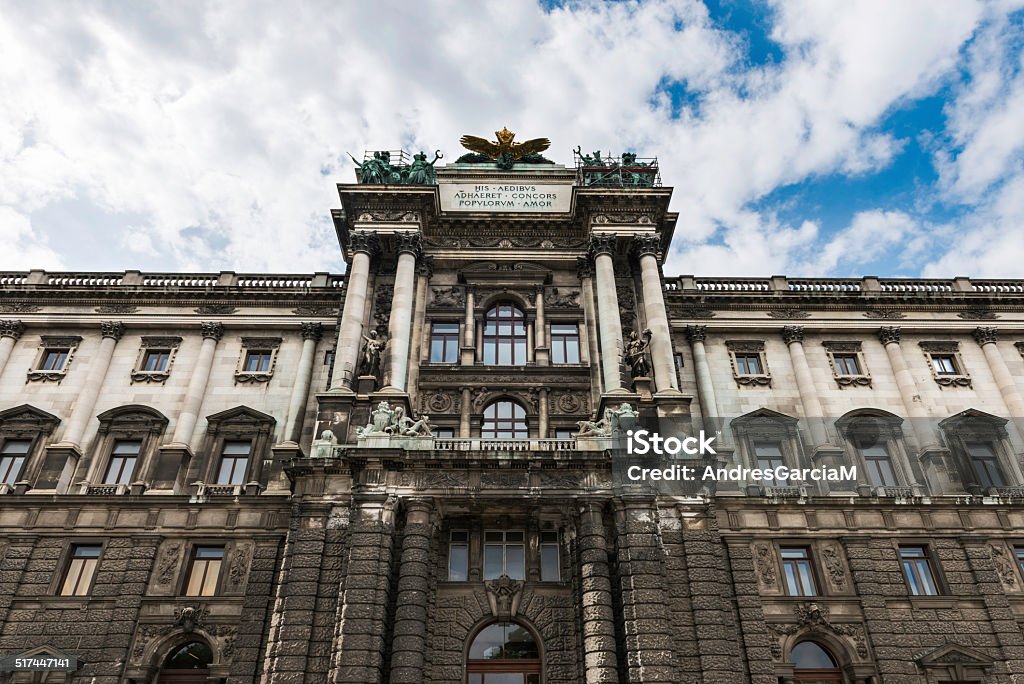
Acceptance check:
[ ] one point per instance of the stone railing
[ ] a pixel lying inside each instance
(477, 444)
(832, 286)
(137, 280)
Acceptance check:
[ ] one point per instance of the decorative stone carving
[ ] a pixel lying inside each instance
(559, 479)
(116, 309)
(613, 421)
(503, 595)
(382, 307)
(315, 311)
(792, 333)
(409, 243)
(889, 334)
(602, 244)
(834, 565)
(1003, 565)
(571, 402)
(388, 421)
(646, 245)
(696, 333)
(112, 329)
(985, 335)
(503, 480)
(440, 479)
(884, 314)
(440, 401)
(370, 359)
(584, 268)
(215, 309)
(12, 328)
(945, 348)
(168, 563)
(19, 307)
(636, 354)
(399, 216)
(69, 342)
(453, 296)
(1020, 347)
(785, 313)
(363, 241)
(811, 616)
(311, 331)
(324, 447)
(338, 519)
(693, 312)
(980, 314)
(238, 566)
(764, 564)
(556, 300)
(211, 330)
(190, 617)
(626, 217)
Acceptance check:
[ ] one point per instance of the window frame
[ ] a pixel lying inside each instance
(114, 454)
(240, 423)
(186, 579)
(155, 344)
(133, 422)
(563, 339)
(549, 544)
(257, 345)
(928, 559)
(28, 423)
(67, 559)
(504, 544)
(975, 426)
(222, 456)
(749, 349)
(497, 420)
(450, 341)
(463, 544)
(48, 343)
(10, 475)
(933, 350)
(765, 425)
(852, 350)
(811, 569)
(495, 341)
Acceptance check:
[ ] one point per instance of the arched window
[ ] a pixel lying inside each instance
(504, 419)
(505, 336)
(186, 664)
(812, 664)
(503, 654)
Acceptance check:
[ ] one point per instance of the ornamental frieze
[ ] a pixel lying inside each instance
(978, 315)
(315, 311)
(565, 299)
(788, 313)
(504, 480)
(884, 314)
(454, 296)
(19, 307)
(571, 403)
(116, 309)
(440, 401)
(216, 309)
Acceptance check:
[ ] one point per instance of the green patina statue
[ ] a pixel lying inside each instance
(421, 172)
(379, 171)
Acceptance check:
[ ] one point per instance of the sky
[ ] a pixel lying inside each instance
(806, 137)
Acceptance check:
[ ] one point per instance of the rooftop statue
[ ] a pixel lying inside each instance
(421, 172)
(379, 169)
(504, 151)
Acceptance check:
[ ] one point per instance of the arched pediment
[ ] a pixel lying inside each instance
(133, 418)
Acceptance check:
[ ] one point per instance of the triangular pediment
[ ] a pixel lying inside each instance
(27, 418)
(949, 654)
(765, 414)
(240, 417)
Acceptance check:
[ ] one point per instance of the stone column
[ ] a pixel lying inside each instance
(185, 428)
(423, 272)
(602, 247)
(410, 623)
(646, 248)
(585, 272)
(10, 331)
(889, 336)
(311, 334)
(400, 324)
(793, 336)
(464, 428)
(85, 402)
(540, 336)
(468, 356)
(542, 412)
(350, 333)
(695, 335)
(986, 339)
(599, 657)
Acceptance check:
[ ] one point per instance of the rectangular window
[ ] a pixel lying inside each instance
(444, 433)
(769, 457)
(203, 571)
(12, 458)
(234, 460)
(122, 461)
(156, 360)
(458, 556)
(945, 364)
(917, 569)
(986, 465)
(879, 466)
(799, 572)
(54, 359)
(565, 344)
(565, 434)
(257, 361)
(444, 343)
(550, 568)
(846, 364)
(329, 362)
(504, 554)
(1019, 552)
(749, 364)
(81, 569)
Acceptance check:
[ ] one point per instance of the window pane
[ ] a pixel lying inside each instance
(156, 360)
(204, 571)
(81, 568)
(492, 561)
(54, 359)
(549, 569)
(458, 563)
(515, 561)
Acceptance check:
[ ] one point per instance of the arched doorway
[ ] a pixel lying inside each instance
(187, 664)
(812, 664)
(503, 654)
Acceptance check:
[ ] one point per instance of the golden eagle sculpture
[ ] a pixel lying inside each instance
(504, 151)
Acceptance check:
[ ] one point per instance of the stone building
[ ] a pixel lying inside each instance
(409, 473)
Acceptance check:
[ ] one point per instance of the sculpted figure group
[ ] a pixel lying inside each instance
(393, 422)
(609, 424)
(379, 171)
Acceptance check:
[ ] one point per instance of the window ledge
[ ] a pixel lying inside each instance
(933, 601)
(845, 381)
(953, 380)
(250, 376)
(754, 380)
(150, 376)
(36, 375)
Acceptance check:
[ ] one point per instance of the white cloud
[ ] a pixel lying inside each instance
(21, 248)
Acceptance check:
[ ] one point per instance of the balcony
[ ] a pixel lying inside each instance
(456, 444)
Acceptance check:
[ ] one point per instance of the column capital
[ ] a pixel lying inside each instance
(696, 333)
(792, 333)
(985, 335)
(12, 328)
(646, 245)
(112, 329)
(409, 243)
(364, 241)
(211, 330)
(312, 331)
(420, 504)
(584, 268)
(602, 244)
(889, 334)
(425, 266)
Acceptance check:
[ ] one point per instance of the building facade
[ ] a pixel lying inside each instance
(413, 472)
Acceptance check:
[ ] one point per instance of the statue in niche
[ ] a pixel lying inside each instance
(636, 354)
(421, 172)
(373, 350)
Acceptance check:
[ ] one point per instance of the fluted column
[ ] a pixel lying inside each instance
(410, 622)
(85, 402)
(464, 417)
(10, 331)
(889, 336)
(602, 247)
(585, 272)
(185, 428)
(986, 339)
(468, 346)
(646, 248)
(793, 336)
(599, 657)
(311, 334)
(400, 323)
(350, 332)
